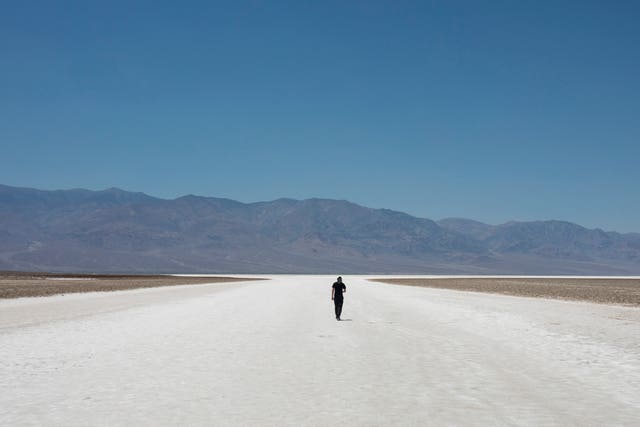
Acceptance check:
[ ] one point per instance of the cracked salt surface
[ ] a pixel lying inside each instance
(271, 353)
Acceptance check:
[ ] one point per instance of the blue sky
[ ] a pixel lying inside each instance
(496, 111)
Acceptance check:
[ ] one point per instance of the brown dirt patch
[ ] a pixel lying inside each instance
(605, 291)
(23, 284)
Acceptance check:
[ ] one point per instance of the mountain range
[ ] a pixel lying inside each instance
(119, 231)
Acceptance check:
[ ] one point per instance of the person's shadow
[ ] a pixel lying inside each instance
(346, 320)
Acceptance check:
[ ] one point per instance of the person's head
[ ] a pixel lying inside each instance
(339, 279)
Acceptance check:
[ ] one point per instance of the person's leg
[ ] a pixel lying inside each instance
(339, 308)
(335, 306)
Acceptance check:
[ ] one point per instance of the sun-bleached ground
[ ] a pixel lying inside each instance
(271, 353)
(624, 291)
(23, 284)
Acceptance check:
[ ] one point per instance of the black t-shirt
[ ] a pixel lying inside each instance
(338, 289)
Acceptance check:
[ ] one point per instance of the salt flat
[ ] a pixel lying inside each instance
(271, 353)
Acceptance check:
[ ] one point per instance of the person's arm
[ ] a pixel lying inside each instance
(333, 291)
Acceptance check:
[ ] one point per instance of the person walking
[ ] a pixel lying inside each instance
(337, 291)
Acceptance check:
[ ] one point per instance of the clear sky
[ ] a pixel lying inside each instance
(496, 111)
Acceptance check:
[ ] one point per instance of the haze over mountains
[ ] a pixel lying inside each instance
(119, 231)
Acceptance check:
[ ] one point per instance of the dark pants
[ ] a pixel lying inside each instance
(338, 303)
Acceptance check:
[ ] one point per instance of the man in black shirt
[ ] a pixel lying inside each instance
(337, 290)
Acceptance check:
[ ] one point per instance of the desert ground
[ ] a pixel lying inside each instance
(606, 290)
(23, 284)
(270, 352)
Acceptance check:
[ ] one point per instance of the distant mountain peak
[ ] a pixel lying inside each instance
(116, 230)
